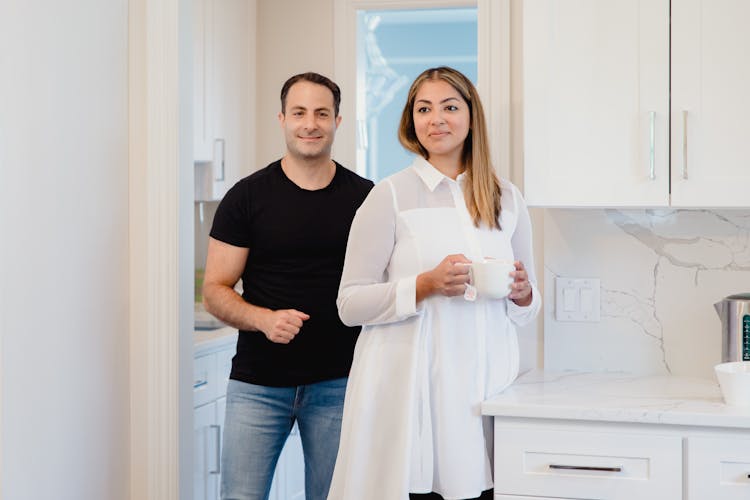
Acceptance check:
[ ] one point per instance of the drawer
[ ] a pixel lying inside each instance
(574, 462)
(718, 467)
(205, 380)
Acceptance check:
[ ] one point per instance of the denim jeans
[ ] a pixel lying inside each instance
(258, 421)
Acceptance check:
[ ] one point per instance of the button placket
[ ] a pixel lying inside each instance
(475, 248)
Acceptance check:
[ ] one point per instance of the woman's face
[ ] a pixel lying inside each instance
(441, 120)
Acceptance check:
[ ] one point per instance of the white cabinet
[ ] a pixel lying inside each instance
(223, 94)
(537, 458)
(718, 468)
(203, 81)
(206, 452)
(210, 376)
(612, 436)
(555, 461)
(710, 103)
(598, 120)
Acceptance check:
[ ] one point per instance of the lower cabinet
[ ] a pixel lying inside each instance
(591, 460)
(207, 425)
(718, 468)
(210, 377)
(211, 374)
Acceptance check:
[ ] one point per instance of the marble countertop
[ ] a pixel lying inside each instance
(617, 397)
(206, 341)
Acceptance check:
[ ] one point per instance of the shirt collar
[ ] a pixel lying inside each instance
(430, 175)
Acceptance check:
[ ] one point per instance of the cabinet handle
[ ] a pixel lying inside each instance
(652, 166)
(585, 467)
(199, 383)
(220, 177)
(684, 144)
(217, 428)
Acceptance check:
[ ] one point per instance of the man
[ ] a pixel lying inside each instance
(283, 231)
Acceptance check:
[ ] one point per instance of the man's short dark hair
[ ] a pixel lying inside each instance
(312, 78)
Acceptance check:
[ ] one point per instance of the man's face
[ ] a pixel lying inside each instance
(308, 122)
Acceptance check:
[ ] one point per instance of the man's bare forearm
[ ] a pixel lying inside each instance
(228, 306)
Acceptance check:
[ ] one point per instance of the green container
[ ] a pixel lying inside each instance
(199, 273)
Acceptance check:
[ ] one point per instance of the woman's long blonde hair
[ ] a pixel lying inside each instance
(482, 187)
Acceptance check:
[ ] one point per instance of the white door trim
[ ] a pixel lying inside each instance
(160, 249)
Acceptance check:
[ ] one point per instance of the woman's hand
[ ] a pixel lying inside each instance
(448, 278)
(521, 288)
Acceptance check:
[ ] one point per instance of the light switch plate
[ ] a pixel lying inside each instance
(577, 299)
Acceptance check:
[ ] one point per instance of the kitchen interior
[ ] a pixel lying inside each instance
(628, 138)
(642, 225)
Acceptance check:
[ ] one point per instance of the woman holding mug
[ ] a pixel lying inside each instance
(430, 352)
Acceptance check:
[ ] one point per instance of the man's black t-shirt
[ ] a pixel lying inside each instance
(297, 241)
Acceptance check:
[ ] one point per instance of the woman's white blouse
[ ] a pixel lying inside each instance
(412, 420)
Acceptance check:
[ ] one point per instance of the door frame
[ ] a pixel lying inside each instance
(161, 248)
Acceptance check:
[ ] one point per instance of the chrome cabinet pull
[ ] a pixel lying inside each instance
(684, 144)
(199, 383)
(218, 449)
(652, 166)
(585, 467)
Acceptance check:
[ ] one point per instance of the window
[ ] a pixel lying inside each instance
(360, 140)
(393, 47)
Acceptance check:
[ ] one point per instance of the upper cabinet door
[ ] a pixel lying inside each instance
(710, 103)
(203, 64)
(596, 102)
(224, 86)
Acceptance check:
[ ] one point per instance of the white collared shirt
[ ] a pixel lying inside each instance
(412, 420)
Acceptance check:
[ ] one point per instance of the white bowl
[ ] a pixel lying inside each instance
(734, 380)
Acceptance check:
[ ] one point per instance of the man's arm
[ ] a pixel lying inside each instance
(224, 266)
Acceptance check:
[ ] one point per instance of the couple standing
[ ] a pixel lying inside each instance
(425, 358)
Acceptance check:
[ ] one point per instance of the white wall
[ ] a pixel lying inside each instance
(293, 36)
(64, 316)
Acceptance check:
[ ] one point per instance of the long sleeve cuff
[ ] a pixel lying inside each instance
(522, 315)
(406, 297)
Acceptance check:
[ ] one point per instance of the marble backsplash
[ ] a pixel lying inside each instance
(660, 271)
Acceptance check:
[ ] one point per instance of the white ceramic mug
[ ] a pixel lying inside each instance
(492, 278)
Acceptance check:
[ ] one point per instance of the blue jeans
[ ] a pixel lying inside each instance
(258, 421)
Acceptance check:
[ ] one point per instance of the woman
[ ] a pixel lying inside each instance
(427, 357)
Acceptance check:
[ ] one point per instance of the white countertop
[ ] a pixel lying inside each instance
(617, 397)
(206, 341)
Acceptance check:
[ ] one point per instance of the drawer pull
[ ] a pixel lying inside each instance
(684, 145)
(199, 383)
(217, 470)
(584, 467)
(651, 165)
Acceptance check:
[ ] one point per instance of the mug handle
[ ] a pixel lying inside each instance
(470, 293)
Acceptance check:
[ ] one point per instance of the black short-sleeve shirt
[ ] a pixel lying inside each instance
(297, 241)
